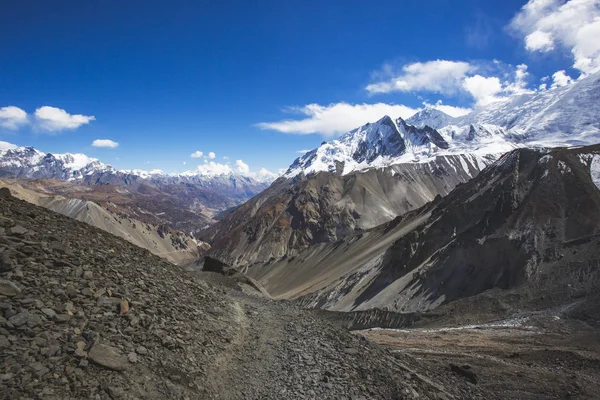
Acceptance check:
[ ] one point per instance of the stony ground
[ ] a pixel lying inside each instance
(84, 314)
(529, 361)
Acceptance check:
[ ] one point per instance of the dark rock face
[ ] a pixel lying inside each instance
(523, 233)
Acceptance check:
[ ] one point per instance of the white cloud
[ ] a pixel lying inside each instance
(440, 76)
(12, 117)
(54, 119)
(573, 25)
(302, 151)
(242, 167)
(213, 168)
(7, 146)
(539, 41)
(560, 78)
(211, 155)
(185, 163)
(336, 118)
(197, 154)
(484, 90)
(105, 143)
(225, 158)
(452, 111)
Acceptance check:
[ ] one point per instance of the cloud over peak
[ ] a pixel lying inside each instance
(335, 118)
(440, 76)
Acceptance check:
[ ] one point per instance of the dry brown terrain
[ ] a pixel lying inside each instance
(507, 362)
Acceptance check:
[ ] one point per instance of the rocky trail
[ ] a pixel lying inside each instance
(84, 314)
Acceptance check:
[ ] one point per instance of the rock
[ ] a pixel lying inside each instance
(88, 275)
(4, 342)
(70, 289)
(350, 350)
(5, 192)
(50, 313)
(108, 357)
(80, 352)
(6, 264)
(465, 371)
(19, 319)
(18, 230)
(124, 307)
(132, 357)
(7, 288)
(141, 350)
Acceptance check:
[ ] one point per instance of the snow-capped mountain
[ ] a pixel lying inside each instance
(28, 162)
(561, 116)
(388, 142)
(430, 117)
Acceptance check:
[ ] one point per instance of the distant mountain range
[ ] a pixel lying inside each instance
(202, 193)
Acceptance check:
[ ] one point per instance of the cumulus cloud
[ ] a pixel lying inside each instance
(197, 154)
(211, 155)
(105, 143)
(12, 117)
(242, 167)
(440, 76)
(7, 146)
(213, 168)
(483, 89)
(560, 78)
(573, 25)
(54, 119)
(336, 118)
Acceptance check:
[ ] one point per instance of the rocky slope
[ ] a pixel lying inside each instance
(174, 246)
(87, 315)
(529, 225)
(298, 212)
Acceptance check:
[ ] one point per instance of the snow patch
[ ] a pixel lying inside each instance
(595, 170)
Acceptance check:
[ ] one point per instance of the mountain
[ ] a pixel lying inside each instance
(384, 143)
(174, 246)
(375, 173)
(367, 177)
(528, 225)
(296, 213)
(204, 194)
(430, 117)
(560, 116)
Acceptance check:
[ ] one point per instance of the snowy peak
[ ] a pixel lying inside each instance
(377, 144)
(430, 117)
(371, 141)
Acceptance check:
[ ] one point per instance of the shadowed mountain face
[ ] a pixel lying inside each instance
(528, 223)
(294, 214)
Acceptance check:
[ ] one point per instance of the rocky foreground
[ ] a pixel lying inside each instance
(85, 314)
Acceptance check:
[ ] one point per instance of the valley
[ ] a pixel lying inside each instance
(437, 257)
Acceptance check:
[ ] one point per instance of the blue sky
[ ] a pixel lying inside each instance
(167, 79)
